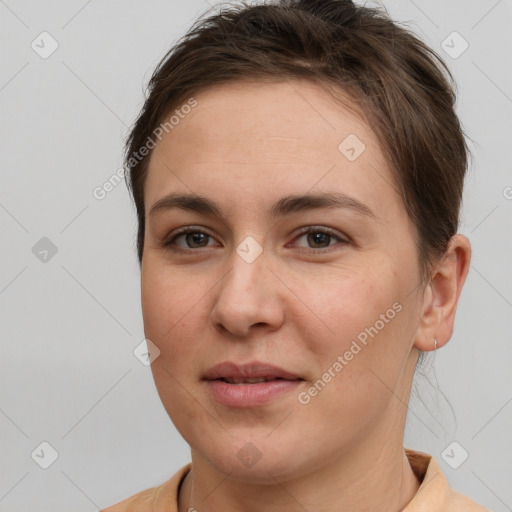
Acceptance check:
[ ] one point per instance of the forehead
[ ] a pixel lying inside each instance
(288, 114)
(269, 138)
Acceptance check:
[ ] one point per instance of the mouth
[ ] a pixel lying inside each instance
(246, 380)
(249, 385)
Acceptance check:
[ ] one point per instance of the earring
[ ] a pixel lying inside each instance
(435, 343)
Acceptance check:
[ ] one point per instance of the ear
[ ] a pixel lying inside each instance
(442, 294)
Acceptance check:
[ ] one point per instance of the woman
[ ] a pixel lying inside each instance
(297, 170)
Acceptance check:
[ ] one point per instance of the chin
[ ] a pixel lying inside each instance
(258, 460)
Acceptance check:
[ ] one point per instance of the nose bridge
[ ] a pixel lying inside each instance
(243, 298)
(247, 264)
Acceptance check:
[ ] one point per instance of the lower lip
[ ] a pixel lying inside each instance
(250, 395)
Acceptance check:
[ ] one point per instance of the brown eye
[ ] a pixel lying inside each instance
(193, 238)
(320, 238)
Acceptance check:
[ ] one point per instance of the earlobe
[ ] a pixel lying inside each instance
(442, 294)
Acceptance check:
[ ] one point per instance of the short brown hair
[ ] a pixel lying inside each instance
(402, 88)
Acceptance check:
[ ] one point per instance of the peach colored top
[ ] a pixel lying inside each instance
(434, 494)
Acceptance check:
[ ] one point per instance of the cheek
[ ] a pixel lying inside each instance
(364, 341)
(166, 296)
(169, 306)
(345, 302)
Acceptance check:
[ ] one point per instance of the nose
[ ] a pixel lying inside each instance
(247, 298)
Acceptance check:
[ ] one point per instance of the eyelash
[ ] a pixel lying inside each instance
(169, 244)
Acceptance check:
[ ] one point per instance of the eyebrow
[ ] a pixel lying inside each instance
(285, 206)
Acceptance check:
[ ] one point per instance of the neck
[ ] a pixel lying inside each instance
(375, 479)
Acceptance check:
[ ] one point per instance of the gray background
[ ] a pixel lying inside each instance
(69, 325)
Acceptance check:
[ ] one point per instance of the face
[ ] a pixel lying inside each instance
(313, 295)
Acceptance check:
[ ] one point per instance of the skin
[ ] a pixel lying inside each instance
(246, 145)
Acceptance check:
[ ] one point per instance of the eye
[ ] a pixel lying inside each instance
(320, 237)
(194, 239)
(317, 238)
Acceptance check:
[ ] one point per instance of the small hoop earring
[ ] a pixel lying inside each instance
(435, 343)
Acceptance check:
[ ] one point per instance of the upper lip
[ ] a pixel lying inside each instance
(252, 370)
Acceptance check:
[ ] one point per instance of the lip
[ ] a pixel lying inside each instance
(278, 383)
(253, 370)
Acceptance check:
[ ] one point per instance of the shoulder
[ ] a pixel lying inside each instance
(434, 492)
(140, 502)
(459, 502)
(156, 499)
